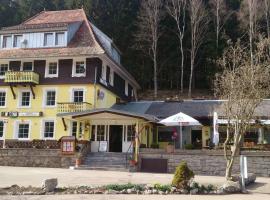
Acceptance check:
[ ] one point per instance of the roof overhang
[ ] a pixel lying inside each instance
(113, 115)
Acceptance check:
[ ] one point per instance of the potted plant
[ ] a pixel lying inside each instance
(170, 147)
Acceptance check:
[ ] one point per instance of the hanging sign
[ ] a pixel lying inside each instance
(103, 146)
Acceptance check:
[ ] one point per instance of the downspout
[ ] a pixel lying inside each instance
(95, 88)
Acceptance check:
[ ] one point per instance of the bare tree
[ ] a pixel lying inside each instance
(222, 14)
(149, 32)
(267, 16)
(177, 10)
(198, 25)
(244, 86)
(250, 15)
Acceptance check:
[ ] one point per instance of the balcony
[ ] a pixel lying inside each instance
(21, 77)
(67, 107)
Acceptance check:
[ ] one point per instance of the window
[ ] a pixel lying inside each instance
(52, 69)
(48, 39)
(60, 39)
(2, 98)
(74, 129)
(48, 130)
(27, 66)
(93, 133)
(25, 99)
(23, 131)
(7, 41)
(3, 69)
(79, 69)
(17, 41)
(50, 98)
(1, 129)
(100, 133)
(78, 96)
(130, 133)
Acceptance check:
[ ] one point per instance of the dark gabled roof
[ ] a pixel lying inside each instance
(198, 109)
(193, 108)
(74, 115)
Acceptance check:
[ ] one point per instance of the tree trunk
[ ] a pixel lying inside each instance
(182, 66)
(155, 76)
(191, 74)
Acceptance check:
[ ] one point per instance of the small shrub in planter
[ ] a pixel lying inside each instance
(182, 176)
(154, 146)
(189, 146)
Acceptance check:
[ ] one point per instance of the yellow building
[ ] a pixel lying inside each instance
(55, 63)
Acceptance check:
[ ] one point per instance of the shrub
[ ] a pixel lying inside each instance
(162, 188)
(189, 146)
(122, 187)
(182, 176)
(154, 146)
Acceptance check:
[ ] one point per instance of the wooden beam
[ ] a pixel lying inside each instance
(32, 90)
(12, 91)
(64, 123)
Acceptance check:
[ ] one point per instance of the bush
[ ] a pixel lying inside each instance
(118, 187)
(162, 188)
(182, 176)
(189, 146)
(154, 146)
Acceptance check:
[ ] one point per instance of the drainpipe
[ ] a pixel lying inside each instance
(95, 88)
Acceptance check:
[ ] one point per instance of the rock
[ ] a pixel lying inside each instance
(28, 193)
(220, 191)
(129, 191)
(148, 192)
(194, 191)
(184, 191)
(154, 191)
(231, 187)
(161, 192)
(112, 192)
(49, 185)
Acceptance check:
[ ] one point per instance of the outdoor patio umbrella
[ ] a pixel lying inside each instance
(180, 119)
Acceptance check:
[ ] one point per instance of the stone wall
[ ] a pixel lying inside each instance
(211, 162)
(35, 158)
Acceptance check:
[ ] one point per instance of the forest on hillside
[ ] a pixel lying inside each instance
(149, 33)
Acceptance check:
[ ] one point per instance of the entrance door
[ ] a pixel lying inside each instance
(116, 138)
(196, 138)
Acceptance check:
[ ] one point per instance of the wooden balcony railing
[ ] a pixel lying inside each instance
(67, 107)
(21, 77)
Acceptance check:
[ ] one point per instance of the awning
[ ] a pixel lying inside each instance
(180, 119)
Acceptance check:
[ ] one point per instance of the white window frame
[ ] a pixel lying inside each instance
(4, 129)
(43, 129)
(26, 61)
(77, 89)
(111, 77)
(61, 45)
(74, 74)
(13, 41)
(47, 75)
(4, 90)
(53, 42)
(7, 63)
(45, 90)
(16, 129)
(20, 98)
(2, 41)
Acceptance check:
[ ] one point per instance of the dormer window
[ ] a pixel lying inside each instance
(78, 69)
(60, 39)
(7, 41)
(17, 41)
(27, 66)
(48, 39)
